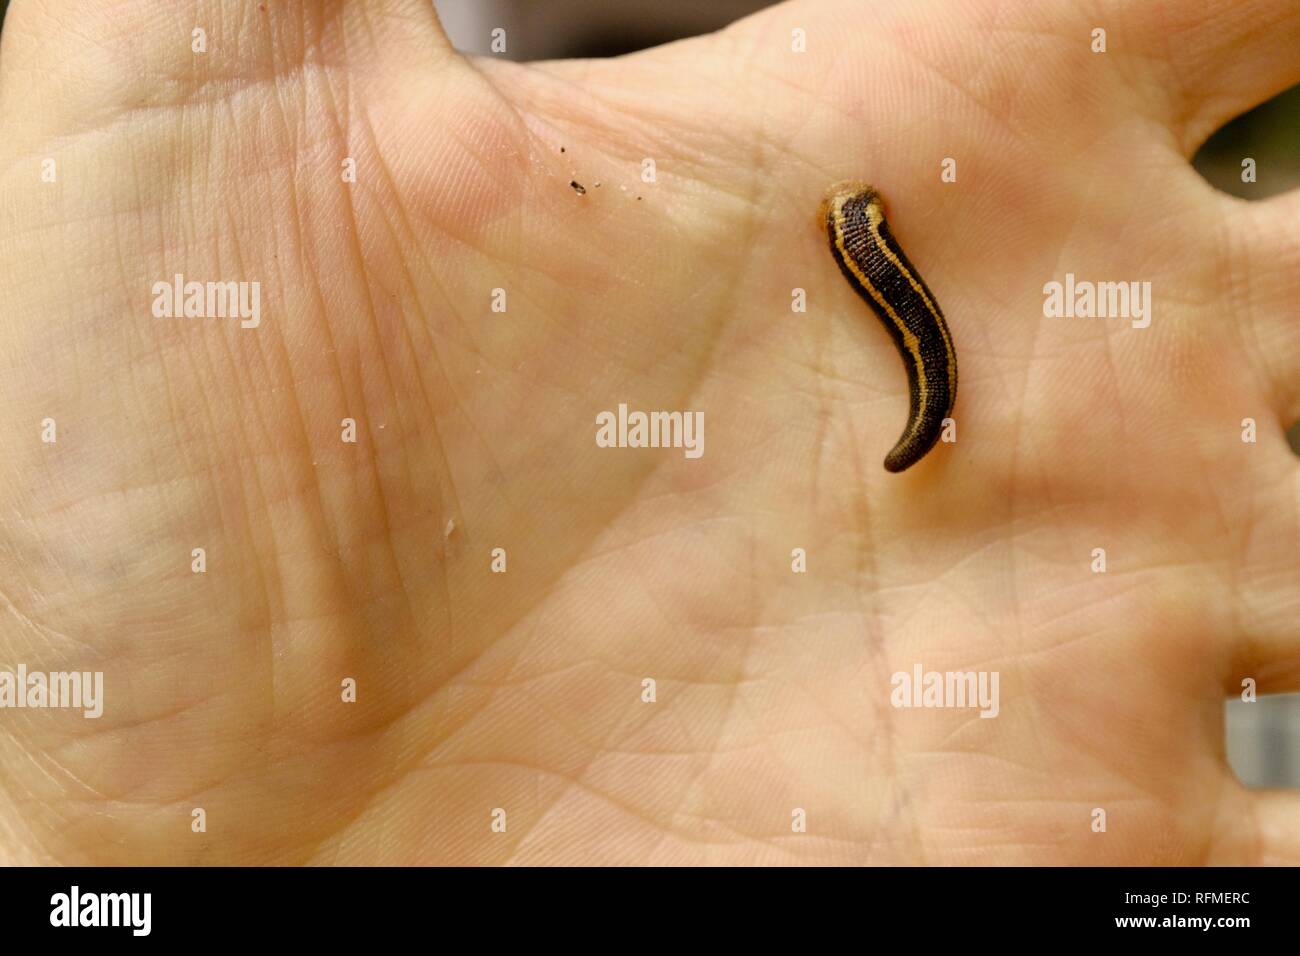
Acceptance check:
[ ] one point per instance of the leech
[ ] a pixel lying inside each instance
(867, 253)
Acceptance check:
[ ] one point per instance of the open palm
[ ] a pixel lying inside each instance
(569, 653)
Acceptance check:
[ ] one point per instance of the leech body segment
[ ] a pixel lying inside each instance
(867, 253)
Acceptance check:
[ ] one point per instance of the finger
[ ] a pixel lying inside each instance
(1277, 828)
(1267, 596)
(1259, 263)
(1218, 60)
(1260, 268)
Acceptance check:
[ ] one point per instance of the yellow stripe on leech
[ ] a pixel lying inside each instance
(910, 340)
(875, 216)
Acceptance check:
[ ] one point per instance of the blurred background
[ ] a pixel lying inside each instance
(1263, 737)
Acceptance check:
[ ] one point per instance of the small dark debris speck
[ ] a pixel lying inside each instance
(578, 188)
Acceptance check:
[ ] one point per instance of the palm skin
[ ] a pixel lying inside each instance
(523, 690)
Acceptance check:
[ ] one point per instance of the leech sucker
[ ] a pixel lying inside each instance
(867, 253)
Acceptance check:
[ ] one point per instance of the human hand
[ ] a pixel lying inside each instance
(522, 690)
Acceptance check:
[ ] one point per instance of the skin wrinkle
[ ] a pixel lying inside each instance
(373, 456)
(272, 585)
(571, 785)
(321, 511)
(432, 341)
(395, 778)
(417, 761)
(456, 510)
(866, 571)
